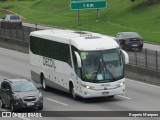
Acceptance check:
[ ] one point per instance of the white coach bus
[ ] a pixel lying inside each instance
(82, 63)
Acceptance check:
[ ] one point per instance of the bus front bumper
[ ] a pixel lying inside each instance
(89, 93)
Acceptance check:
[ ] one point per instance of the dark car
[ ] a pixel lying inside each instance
(129, 40)
(20, 93)
(114, 38)
(11, 21)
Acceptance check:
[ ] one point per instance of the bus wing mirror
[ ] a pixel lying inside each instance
(125, 57)
(78, 60)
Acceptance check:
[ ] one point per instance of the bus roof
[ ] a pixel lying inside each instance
(82, 40)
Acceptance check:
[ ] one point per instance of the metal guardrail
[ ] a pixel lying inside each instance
(19, 34)
(147, 58)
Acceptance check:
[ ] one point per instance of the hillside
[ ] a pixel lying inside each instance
(120, 15)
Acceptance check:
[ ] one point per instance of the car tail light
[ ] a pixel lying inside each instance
(127, 40)
(141, 40)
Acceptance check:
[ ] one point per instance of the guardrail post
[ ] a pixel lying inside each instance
(146, 57)
(136, 56)
(16, 34)
(10, 32)
(23, 33)
(4, 32)
(36, 27)
(29, 30)
(156, 60)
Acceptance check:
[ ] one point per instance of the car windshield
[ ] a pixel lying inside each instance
(23, 87)
(102, 66)
(14, 17)
(130, 35)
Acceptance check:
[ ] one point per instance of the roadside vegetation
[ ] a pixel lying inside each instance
(120, 15)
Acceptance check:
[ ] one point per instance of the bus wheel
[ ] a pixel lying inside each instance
(44, 86)
(72, 92)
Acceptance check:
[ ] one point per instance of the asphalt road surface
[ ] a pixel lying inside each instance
(139, 96)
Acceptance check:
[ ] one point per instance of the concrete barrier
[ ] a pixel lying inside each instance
(12, 44)
(142, 74)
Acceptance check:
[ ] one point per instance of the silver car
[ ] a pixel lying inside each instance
(19, 94)
(11, 21)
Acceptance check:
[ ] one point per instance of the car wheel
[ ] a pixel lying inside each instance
(44, 86)
(2, 104)
(40, 107)
(13, 109)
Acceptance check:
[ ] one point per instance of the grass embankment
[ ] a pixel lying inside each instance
(120, 15)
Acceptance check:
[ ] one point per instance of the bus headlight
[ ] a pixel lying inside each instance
(87, 86)
(121, 84)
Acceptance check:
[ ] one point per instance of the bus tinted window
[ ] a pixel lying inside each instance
(51, 49)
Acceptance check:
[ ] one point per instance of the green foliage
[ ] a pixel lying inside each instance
(149, 2)
(120, 15)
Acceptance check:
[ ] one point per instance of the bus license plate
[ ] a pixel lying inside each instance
(105, 93)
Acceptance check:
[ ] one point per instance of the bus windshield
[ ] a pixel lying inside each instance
(102, 66)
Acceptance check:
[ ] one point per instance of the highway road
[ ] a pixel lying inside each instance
(138, 97)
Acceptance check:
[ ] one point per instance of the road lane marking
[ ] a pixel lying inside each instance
(128, 98)
(61, 103)
(144, 83)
